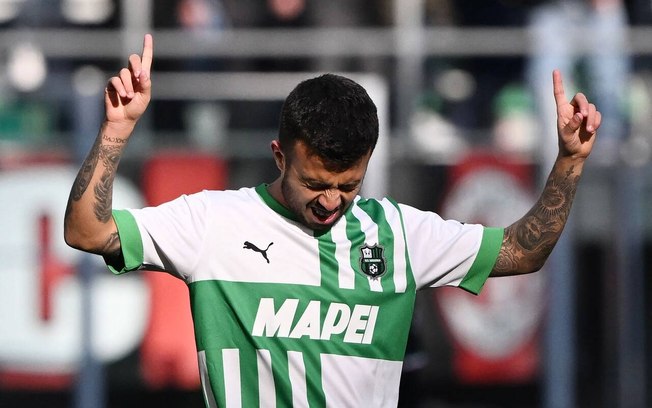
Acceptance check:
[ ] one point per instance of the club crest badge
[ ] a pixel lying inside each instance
(372, 260)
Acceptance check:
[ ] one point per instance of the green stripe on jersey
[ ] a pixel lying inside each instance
(130, 242)
(356, 238)
(340, 249)
(282, 383)
(411, 284)
(214, 366)
(301, 318)
(316, 397)
(327, 260)
(385, 238)
(293, 321)
(492, 240)
(248, 359)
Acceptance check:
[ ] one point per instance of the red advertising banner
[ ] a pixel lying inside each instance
(495, 335)
(40, 308)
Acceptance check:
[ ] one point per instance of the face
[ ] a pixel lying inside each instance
(316, 195)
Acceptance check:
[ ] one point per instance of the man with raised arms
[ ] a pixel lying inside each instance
(301, 290)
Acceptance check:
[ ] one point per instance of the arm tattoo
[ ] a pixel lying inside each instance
(110, 156)
(114, 139)
(529, 241)
(86, 172)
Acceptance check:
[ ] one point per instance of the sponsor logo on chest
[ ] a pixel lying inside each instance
(354, 324)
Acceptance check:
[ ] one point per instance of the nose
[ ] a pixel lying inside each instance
(330, 199)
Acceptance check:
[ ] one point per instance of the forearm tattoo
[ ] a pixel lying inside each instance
(86, 172)
(110, 157)
(118, 140)
(528, 242)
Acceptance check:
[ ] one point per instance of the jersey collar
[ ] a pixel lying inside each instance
(272, 203)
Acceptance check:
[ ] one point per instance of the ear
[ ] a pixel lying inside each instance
(279, 157)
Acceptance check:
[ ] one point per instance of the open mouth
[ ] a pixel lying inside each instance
(323, 215)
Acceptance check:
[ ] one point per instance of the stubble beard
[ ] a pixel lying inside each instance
(299, 209)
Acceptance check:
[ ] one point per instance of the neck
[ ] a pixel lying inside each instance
(275, 191)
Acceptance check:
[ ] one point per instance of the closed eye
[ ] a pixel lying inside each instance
(347, 188)
(314, 185)
(318, 187)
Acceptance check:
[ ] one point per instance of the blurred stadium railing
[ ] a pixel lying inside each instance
(403, 49)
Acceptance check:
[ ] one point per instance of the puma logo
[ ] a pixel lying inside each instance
(263, 252)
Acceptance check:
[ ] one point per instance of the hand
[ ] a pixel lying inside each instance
(577, 121)
(127, 95)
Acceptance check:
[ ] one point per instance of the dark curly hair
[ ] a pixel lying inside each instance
(334, 117)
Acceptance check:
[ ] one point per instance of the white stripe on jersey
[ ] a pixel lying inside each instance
(297, 370)
(345, 390)
(370, 229)
(345, 273)
(266, 388)
(232, 386)
(400, 264)
(205, 381)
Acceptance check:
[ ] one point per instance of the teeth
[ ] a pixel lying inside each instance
(321, 213)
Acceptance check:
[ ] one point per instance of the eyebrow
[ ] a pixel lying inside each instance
(322, 184)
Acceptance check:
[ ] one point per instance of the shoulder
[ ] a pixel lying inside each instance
(389, 207)
(243, 202)
(378, 211)
(205, 201)
(241, 195)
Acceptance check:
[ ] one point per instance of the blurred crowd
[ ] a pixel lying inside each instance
(461, 101)
(441, 105)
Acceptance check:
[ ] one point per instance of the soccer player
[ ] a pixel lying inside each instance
(302, 291)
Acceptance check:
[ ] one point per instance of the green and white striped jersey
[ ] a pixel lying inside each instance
(285, 316)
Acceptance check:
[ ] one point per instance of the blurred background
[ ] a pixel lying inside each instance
(464, 93)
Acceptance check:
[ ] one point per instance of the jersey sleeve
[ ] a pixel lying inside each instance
(166, 238)
(448, 252)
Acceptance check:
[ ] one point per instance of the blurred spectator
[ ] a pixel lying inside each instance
(586, 40)
(200, 15)
(286, 9)
(487, 76)
(439, 12)
(205, 121)
(291, 14)
(257, 14)
(312, 14)
(196, 125)
(348, 14)
(265, 13)
(32, 110)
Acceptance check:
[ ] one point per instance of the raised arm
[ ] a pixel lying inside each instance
(529, 241)
(88, 223)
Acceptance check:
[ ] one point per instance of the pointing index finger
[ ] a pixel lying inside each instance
(558, 88)
(148, 53)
